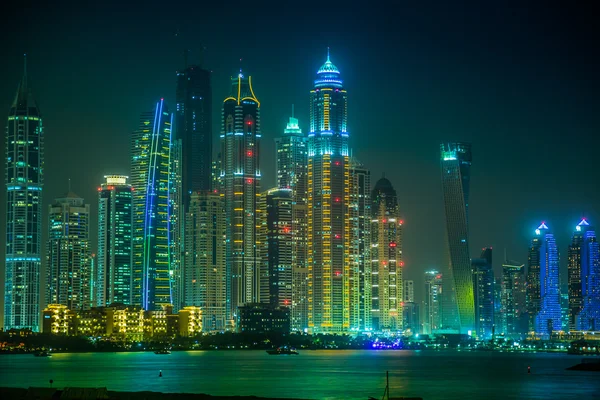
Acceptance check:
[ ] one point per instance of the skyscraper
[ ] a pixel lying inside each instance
(513, 306)
(360, 246)
(280, 245)
(386, 258)
(456, 174)
(584, 279)
(483, 289)
(328, 204)
(204, 270)
(292, 166)
(240, 151)
(24, 182)
(194, 129)
(410, 309)
(432, 305)
(152, 178)
(543, 287)
(113, 281)
(69, 256)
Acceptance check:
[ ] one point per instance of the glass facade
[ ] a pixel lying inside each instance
(24, 183)
(483, 290)
(114, 258)
(456, 175)
(513, 293)
(432, 305)
(328, 204)
(152, 178)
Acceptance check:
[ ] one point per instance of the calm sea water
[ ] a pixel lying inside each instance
(338, 374)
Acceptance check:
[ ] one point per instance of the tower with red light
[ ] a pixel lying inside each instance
(328, 219)
(386, 258)
(240, 175)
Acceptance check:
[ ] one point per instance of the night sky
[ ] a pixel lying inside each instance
(519, 81)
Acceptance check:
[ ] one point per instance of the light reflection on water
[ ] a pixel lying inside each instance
(333, 374)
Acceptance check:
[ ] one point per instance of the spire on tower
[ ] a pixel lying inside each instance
(328, 54)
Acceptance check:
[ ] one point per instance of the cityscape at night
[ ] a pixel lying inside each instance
(247, 200)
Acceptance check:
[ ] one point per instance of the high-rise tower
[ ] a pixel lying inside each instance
(69, 256)
(204, 272)
(113, 265)
(360, 246)
(386, 258)
(584, 279)
(24, 182)
(543, 287)
(432, 305)
(513, 307)
(456, 174)
(193, 126)
(328, 204)
(240, 171)
(152, 178)
(292, 168)
(483, 289)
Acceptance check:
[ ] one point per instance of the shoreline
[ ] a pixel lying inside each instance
(43, 393)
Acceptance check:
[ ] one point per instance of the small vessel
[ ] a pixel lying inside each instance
(162, 351)
(282, 350)
(42, 353)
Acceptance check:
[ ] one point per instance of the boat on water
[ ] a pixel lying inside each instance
(162, 351)
(42, 353)
(282, 350)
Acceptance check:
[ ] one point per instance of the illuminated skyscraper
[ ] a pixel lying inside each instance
(360, 246)
(432, 305)
(483, 289)
(543, 288)
(204, 271)
(513, 307)
(456, 174)
(113, 267)
(584, 279)
(280, 246)
(152, 178)
(240, 172)
(292, 166)
(69, 257)
(386, 258)
(328, 204)
(24, 182)
(194, 129)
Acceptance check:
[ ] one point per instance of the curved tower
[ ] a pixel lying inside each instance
(328, 204)
(240, 173)
(456, 174)
(386, 258)
(24, 182)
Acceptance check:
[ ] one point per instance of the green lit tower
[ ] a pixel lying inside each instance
(24, 181)
(456, 174)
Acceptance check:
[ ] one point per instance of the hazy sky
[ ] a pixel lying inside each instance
(519, 81)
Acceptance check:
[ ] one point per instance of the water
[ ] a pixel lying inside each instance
(326, 374)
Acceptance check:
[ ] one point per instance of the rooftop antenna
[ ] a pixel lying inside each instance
(292, 111)
(328, 54)
(69, 185)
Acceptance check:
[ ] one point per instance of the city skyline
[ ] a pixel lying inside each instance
(415, 262)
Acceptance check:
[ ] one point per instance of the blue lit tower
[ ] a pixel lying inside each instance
(113, 272)
(543, 282)
(240, 174)
(328, 204)
(152, 179)
(584, 279)
(456, 175)
(24, 182)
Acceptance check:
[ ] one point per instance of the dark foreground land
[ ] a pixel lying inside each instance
(103, 393)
